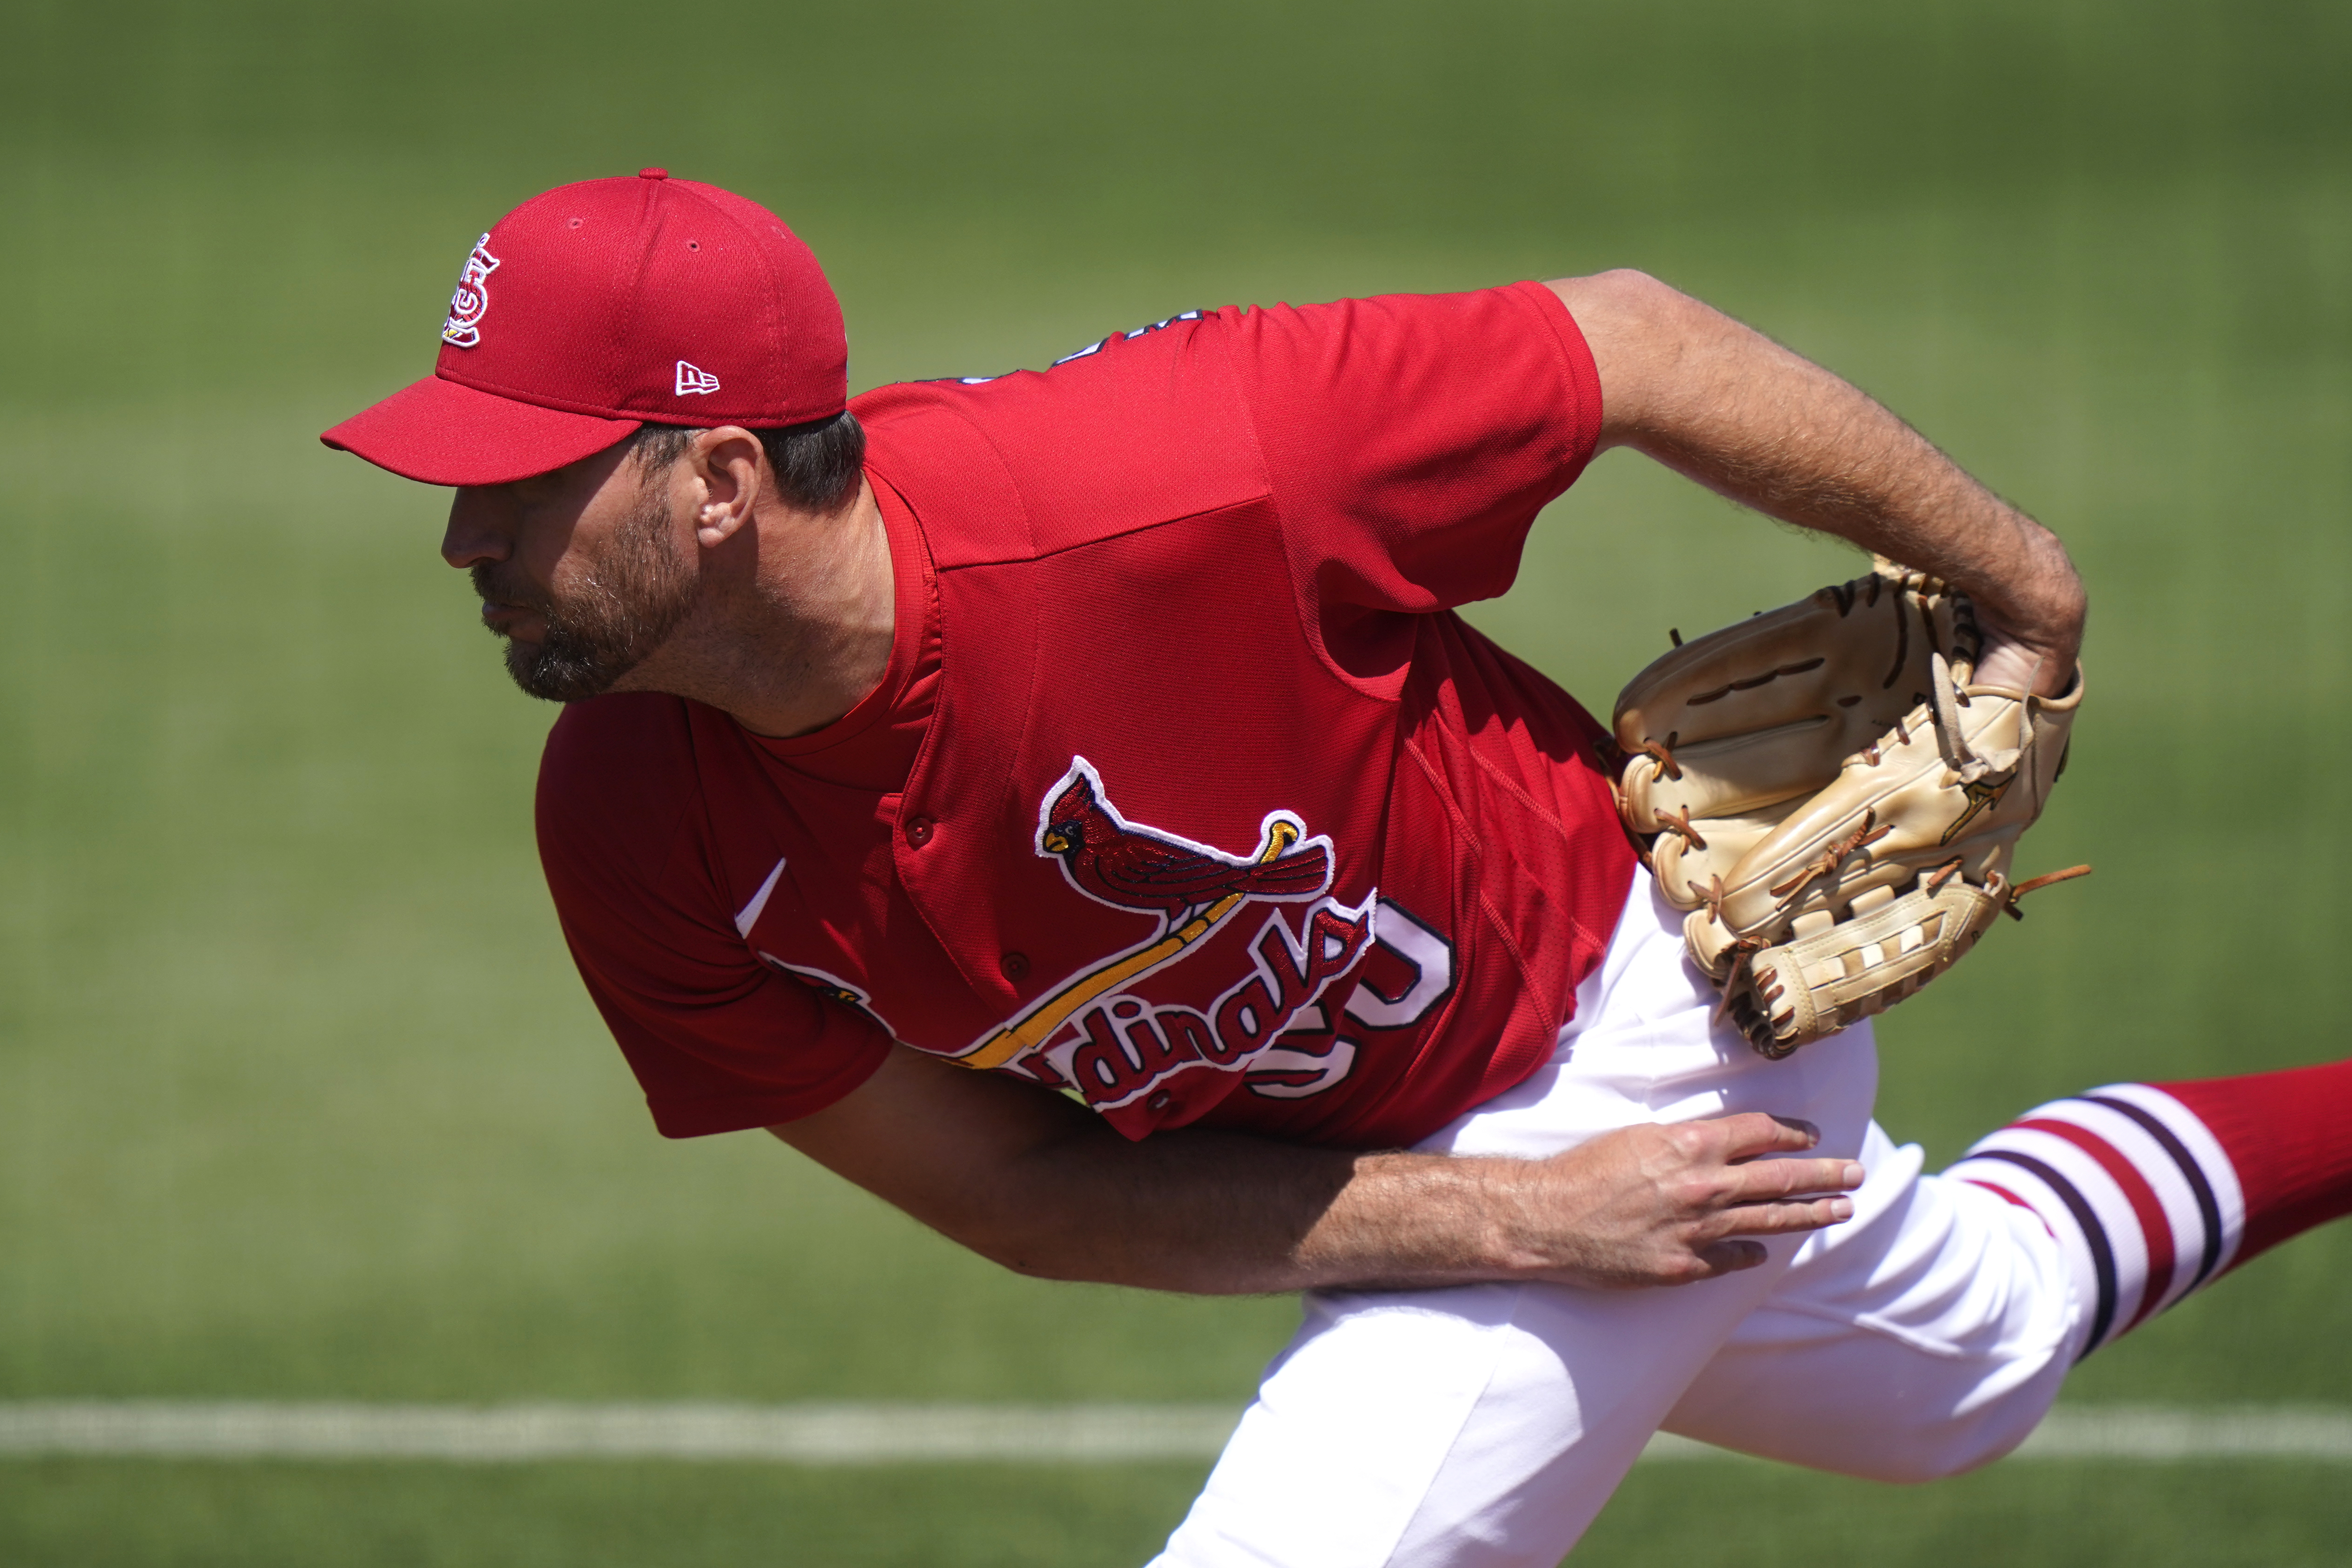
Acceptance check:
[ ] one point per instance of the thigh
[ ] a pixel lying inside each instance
(1486, 1425)
(1481, 1425)
(1925, 1337)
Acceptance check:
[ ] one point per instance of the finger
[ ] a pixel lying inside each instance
(2012, 661)
(1783, 1218)
(1765, 1179)
(1753, 1133)
(1730, 1257)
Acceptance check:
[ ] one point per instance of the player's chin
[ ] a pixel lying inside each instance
(554, 672)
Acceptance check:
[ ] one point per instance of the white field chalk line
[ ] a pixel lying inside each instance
(796, 1433)
(889, 1434)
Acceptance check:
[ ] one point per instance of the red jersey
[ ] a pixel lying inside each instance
(1186, 787)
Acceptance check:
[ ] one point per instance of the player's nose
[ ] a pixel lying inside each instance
(476, 530)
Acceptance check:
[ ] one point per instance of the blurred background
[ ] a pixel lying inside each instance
(298, 1096)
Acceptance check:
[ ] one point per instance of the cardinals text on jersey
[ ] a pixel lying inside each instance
(1113, 1046)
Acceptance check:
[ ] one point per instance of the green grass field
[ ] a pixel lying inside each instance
(298, 1096)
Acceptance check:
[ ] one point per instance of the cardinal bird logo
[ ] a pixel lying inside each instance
(1192, 888)
(1129, 867)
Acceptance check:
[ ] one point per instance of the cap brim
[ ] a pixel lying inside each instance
(444, 434)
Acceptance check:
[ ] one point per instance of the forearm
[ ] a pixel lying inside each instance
(1043, 1185)
(1220, 1213)
(1727, 407)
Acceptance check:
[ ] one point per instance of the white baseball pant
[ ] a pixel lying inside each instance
(1485, 1426)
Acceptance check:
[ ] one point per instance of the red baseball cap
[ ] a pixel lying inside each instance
(596, 308)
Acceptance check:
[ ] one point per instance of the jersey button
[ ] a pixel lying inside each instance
(1161, 1101)
(1014, 964)
(919, 831)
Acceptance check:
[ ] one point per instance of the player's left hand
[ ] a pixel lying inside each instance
(2043, 654)
(1652, 1204)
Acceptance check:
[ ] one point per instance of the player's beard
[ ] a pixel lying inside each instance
(607, 622)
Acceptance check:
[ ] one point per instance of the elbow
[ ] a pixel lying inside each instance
(1620, 295)
(1623, 283)
(1643, 334)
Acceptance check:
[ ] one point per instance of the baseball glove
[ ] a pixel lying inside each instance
(1833, 801)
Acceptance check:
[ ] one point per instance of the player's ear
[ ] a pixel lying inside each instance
(724, 469)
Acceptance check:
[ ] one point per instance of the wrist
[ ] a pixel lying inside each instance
(1512, 1199)
(2040, 591)
(1416, 1219)
(2032, 606)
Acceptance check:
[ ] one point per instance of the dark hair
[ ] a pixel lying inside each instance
(817, 464)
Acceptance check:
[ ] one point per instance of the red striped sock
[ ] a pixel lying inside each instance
(2154, 1190)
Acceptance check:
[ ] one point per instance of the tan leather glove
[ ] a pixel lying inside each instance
(1833, 801)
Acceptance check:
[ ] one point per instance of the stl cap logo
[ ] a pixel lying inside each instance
(464, 326)
(692, 380)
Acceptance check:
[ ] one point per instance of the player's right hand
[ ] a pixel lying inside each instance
(1671, 1204)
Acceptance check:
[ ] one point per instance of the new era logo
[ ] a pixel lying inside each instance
(693, 380)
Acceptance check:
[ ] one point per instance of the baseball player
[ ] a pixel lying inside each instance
(1067, 805)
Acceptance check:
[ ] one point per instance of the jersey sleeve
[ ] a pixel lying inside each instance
(719, 1041)
(1410, 439)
